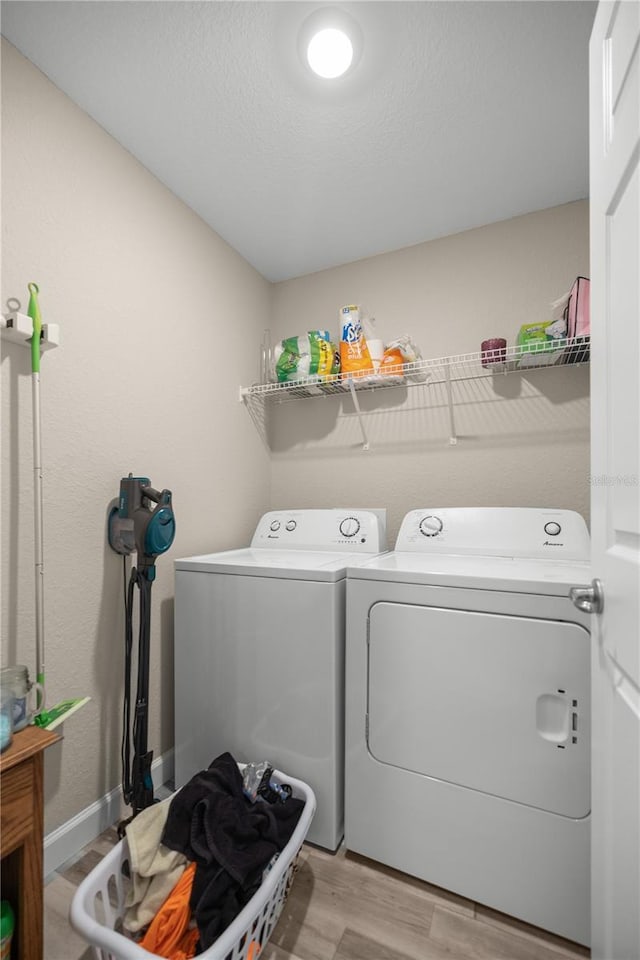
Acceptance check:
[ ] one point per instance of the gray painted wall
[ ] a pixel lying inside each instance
(159, 318)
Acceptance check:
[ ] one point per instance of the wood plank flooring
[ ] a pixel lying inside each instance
(345, 907)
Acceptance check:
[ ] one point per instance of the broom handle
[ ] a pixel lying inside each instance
(34, 313)
(38, 538)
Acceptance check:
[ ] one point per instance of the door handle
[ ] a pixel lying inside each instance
(589, 599)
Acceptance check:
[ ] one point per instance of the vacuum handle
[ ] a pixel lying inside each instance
(157, 496)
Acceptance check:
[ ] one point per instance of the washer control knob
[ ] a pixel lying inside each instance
(552, 528)
(430, 526)
(349, 527)
(275, 525)
(290, 525)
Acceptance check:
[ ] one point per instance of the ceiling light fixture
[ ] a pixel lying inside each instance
(330, 43)
(330, 53)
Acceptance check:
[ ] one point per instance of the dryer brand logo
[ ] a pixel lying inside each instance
(552, 543)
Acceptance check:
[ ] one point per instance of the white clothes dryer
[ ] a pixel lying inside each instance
(259, 652)
(468, 710)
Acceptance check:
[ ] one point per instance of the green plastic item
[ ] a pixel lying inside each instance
(52, 718)
(7, 924)
(33, 311)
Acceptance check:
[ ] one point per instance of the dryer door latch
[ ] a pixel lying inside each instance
(589, 599)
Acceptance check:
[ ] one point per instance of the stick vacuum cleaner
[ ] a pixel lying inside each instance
(143, 522)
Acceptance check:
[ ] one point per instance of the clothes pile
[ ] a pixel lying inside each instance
(198, 857)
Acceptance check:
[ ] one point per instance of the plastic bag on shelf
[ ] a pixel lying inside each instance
(399, 352)
(311, 357)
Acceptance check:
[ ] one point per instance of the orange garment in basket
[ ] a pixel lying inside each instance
(168, 934)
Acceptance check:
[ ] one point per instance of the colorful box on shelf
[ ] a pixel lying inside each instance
(536, 347)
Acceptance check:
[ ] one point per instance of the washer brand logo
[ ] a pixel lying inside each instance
(552, 543)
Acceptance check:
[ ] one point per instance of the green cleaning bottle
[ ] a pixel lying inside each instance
(6, 929)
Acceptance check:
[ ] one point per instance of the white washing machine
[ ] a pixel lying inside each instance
(468, 709)
(259, 652)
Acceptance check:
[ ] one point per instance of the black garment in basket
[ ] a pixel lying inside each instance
(230, 839)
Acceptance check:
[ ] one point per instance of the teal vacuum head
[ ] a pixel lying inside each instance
(143, 521)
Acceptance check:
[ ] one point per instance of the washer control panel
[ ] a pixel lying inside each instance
(531, 532)
(351, 530)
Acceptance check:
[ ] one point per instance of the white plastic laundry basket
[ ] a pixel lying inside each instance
(99, 902)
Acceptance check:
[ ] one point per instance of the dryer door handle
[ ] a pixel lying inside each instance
(589, 599)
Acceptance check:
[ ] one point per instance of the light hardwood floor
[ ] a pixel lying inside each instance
(345, 907)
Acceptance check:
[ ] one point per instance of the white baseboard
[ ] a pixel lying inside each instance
(67, 840)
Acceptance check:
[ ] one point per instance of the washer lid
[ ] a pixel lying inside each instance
(284, 564)
(301, 545)
(480, 573)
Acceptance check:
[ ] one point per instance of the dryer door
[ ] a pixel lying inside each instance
(491, 702)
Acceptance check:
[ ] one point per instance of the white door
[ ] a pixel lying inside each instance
(615, 467)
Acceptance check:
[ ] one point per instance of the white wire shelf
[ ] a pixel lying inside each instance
(447, 370)
(465, 366)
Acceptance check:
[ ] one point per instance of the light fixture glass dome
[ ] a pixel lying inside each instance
(330, 53)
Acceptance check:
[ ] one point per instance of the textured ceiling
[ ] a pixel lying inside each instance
(457, 114)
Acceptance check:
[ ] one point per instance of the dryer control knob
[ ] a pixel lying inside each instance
(552, 528)
(430, 526)
(290, 525)
(349, 527)
(275, 525)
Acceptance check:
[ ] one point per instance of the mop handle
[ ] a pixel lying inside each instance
(34, 312)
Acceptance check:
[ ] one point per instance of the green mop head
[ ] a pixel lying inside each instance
(50, 719)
